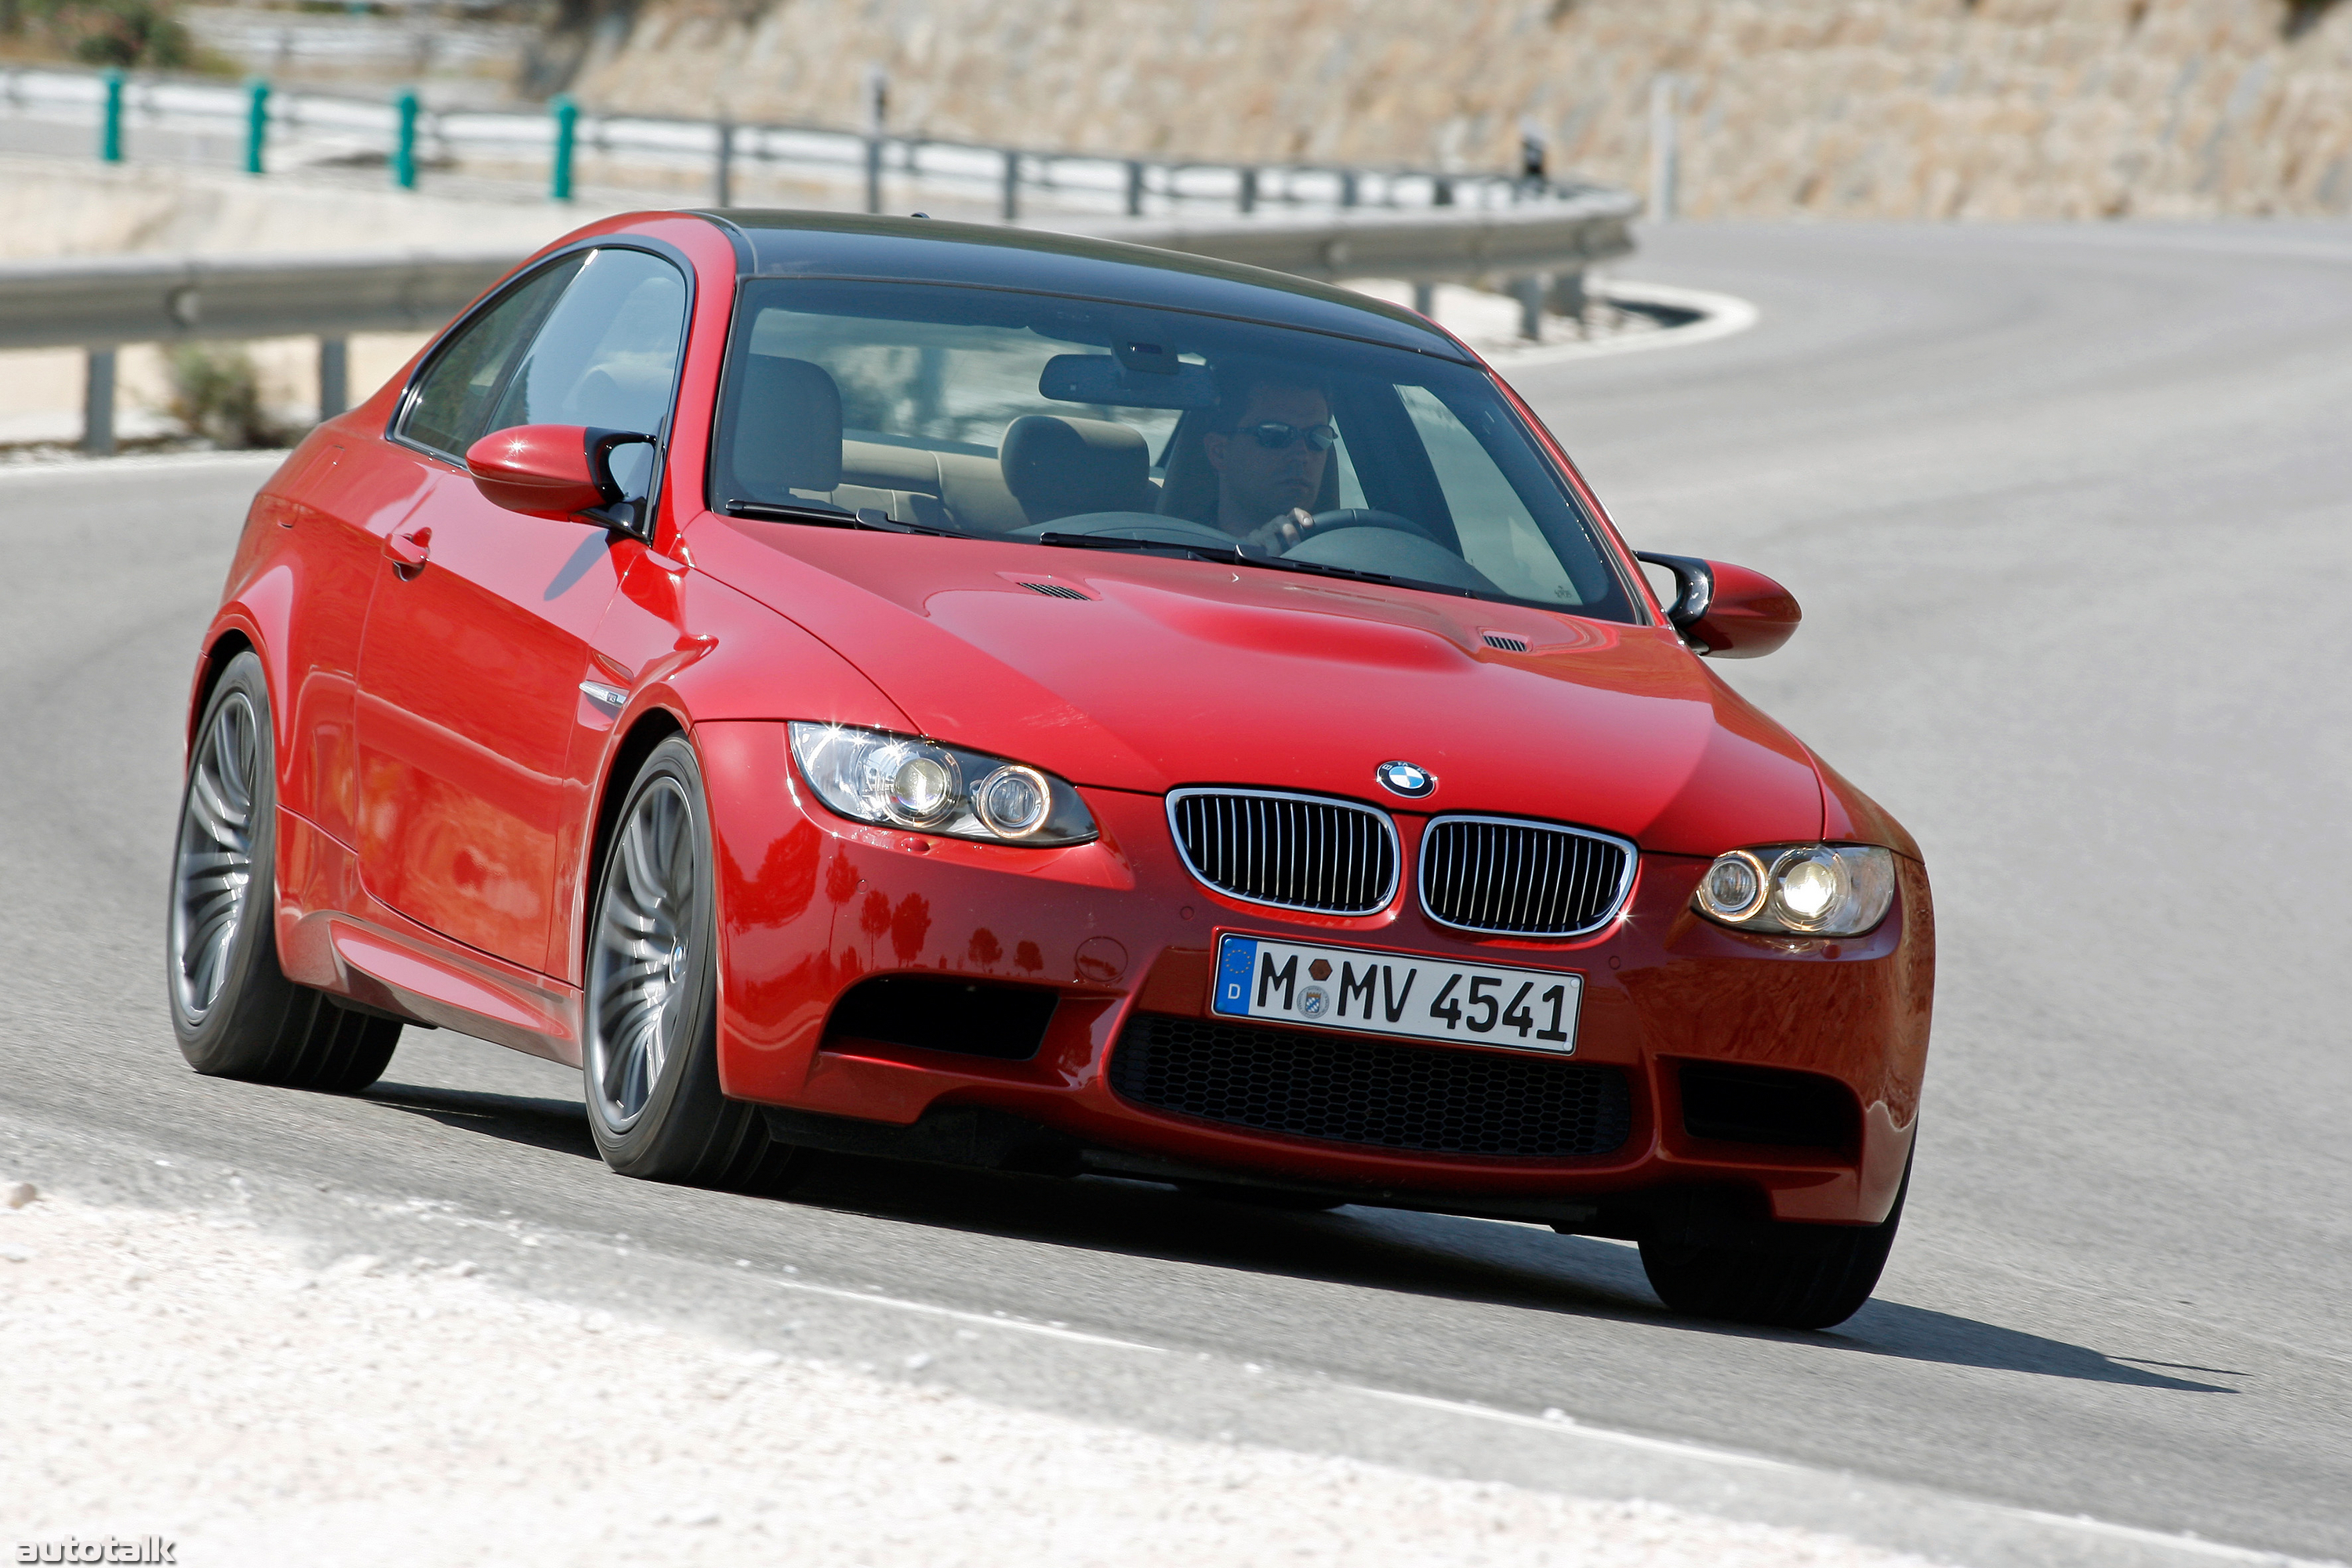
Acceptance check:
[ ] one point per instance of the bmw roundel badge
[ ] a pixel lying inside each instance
(1406, 779)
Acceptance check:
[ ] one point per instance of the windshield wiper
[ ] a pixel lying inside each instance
(1115, 542)
(872, 517)
(1239, 557)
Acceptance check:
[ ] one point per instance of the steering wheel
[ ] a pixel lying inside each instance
(1365, 517)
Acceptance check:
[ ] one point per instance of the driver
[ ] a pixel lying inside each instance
(1269, 456)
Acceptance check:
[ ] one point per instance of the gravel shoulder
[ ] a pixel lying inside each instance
(194, 1377)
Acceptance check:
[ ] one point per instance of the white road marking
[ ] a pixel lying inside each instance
(1732, 1458)
(1721, 316)
(1728, 1459)
(929, 1309)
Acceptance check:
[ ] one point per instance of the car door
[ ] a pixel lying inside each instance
(477, 635)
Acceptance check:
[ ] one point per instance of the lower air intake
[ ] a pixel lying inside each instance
(972, 1018)
(1741, 1104)
(1350, 1090)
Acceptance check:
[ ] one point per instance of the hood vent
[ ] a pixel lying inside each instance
(1053, 590)
(1506, 641)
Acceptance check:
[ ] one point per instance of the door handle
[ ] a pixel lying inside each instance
(409, 550)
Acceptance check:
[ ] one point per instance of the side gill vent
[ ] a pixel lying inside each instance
(1054, 590)
(1505, 641)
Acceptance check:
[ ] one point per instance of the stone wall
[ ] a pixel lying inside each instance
(1985, 109)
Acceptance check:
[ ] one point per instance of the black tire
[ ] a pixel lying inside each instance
(234, 1012)
(650, 1055)
(1792, 1276)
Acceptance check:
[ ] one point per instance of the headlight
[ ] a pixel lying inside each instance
(905, 781)
(1799, 889)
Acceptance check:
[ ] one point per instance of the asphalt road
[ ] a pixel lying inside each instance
(2069, 510)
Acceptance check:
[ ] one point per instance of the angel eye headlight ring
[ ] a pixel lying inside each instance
(1799, 889)
(1735, 886)
(1808, 886)
(919, 786)
(889, 780)
(1013, 801)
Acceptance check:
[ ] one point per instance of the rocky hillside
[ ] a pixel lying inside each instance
(1854, 108)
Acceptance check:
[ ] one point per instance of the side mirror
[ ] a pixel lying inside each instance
(1726, 611)
(558, 471)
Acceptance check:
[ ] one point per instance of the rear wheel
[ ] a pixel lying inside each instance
(1790, 1277)
(234, 1012)
(650, 1056)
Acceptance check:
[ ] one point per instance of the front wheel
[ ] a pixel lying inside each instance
(1790, 1277)
(650, 1056)
(234, 1012)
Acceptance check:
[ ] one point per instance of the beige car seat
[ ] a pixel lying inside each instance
(1059, 466)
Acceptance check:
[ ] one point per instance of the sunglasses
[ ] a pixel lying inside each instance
(1276, 436)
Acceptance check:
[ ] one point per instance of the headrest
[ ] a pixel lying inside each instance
(786, 432)
(1057, 465)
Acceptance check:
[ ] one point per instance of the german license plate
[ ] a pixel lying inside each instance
(1346, 988)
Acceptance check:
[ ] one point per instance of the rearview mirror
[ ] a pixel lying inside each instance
(1726, 611)
(1120, 382)
(558, 471)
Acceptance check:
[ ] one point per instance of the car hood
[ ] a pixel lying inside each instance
(1144, 673)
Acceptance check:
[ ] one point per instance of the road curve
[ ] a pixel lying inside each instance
(2067, 508)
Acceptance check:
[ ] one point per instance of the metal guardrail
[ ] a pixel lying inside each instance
(272, 123)
(1431, 245)
(105, 302)
(101, 303)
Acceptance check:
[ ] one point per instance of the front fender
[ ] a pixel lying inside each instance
(693, 652)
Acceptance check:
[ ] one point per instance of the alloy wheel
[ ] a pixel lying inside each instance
(212, 877)
(641, 970)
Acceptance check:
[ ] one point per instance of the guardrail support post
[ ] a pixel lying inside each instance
(722, 170)
(334, 378)
(1529, 292)
(110, 130)
(1011, 206)
(1570, 297)
(1424, 299)
(97, 405)
(404, 150)
(567, 132)
(1348, 194)
(257, 124)
(1247, 200)
(1441, 191)
(877, 121)
(1665, 156)
(1135, 187)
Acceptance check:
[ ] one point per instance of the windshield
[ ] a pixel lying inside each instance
(1032, 417)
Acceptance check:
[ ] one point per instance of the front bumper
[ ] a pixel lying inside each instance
(810, 904)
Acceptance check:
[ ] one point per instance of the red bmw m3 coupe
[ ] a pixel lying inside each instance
(1000, 699)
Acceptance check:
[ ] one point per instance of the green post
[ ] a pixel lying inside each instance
(110, 130)
(404, 153)
(567, 126)
(256, 125)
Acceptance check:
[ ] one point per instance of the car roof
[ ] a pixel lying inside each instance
(789, 244)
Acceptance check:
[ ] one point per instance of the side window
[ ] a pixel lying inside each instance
(1351, 489)
(450, 410)
(606, 356)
